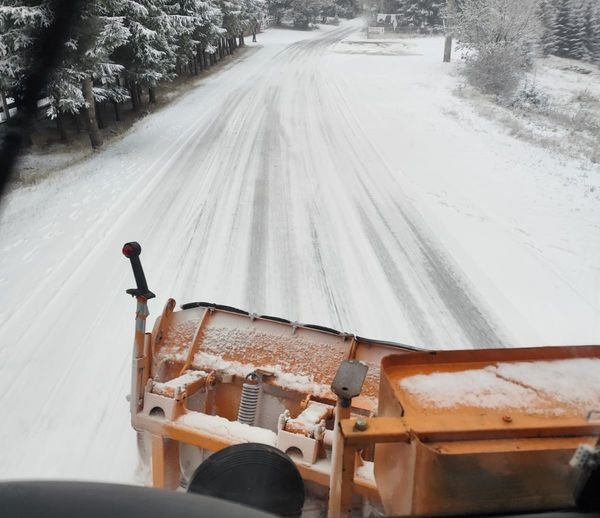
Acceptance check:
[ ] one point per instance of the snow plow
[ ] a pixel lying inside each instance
(371, 427)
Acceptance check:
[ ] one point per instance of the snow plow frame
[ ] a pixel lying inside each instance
(168, 435)
(191, 373)
(560, 434)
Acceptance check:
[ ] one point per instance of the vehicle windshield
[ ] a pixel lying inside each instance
(423, 172)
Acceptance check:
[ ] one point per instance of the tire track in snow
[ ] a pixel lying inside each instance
(270, 256)
(315, 235)
(411, 308)
(452, 289)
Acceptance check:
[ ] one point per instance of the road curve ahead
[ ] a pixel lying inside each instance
(259, 189)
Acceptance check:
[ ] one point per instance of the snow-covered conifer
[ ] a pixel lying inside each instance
(148, 55)
(576, 30)
(87, 74)
(422, 14)
(19, 19)
(277, 9)
(304, 12)
(591, 31)
(547, 13)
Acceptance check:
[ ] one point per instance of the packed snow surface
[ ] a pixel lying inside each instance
(307, 180)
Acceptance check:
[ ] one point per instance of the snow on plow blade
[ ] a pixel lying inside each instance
(192, 378)
(501, 419)
(409, 431)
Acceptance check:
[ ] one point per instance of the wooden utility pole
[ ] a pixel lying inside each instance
(449, 30)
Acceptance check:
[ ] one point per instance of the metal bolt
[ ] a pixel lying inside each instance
(361, 424)
(507, 419)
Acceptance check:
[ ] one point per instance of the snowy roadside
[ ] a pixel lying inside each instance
(48, 156)
(557, 109)
(326, 187)
(65, 320)
(521, 220)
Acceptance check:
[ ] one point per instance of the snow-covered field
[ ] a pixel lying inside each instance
(309, 180)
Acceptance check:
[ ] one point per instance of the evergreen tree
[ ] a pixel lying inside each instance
(346, 8)
(194, 24)
(576, 30)
(19, 20)
(87, 73)
(562, 28)
(277, 9)
(231, 11)
(547, 13)
(422, 14)
(328, 8)
(570, 29)
(251, 14)
(147, 56)
(418, 14)
(304, 12)
(591, 31)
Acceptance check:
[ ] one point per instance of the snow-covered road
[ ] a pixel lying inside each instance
(266, 188)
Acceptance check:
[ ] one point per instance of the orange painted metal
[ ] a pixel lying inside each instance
(162, 324)
(196, 341)
(399, 429)
(316, 473)
(185, 390)
(464, 458)
(348, 469)
(260, 342)
(337, 463)
(165, 463)
(457, 451)
(188, 435)
(379, 430)
(228, 344)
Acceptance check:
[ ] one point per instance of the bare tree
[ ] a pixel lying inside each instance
(499, 38)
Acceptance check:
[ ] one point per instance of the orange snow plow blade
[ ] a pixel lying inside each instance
(189, 377)
(430, 432)
(478, 431)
